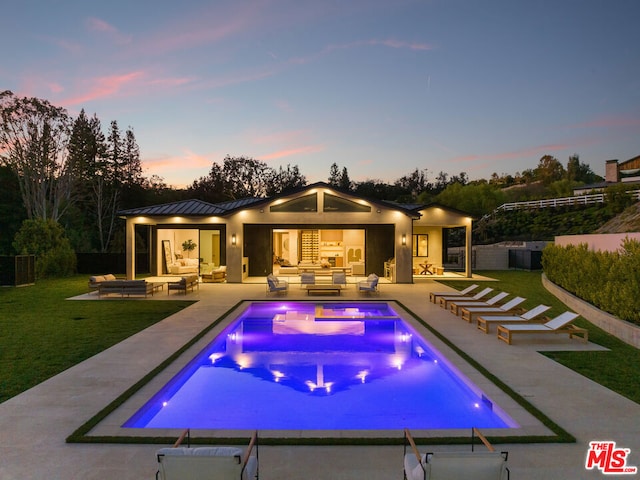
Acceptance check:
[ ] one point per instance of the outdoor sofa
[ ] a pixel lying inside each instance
(96, 280)
(126, 287)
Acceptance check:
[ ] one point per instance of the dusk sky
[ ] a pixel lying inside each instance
(379, 87)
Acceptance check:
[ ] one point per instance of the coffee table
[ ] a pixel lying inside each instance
(323, 288)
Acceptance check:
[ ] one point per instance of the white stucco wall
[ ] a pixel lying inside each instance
(606, 242)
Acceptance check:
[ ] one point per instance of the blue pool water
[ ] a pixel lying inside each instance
(325, 366)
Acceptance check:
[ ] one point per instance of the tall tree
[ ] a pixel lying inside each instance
(87, 154)
(131, 160)
(34, 137)
(238, 177)
(549, 170)
(282, 181)
(413, 184)
(580, 172)
(111, 174)
(334, 175)
(344, 182)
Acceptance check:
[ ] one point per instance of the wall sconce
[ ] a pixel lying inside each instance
(404, 239)
(233, 239)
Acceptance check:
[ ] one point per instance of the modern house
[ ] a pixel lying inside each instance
(316, 224)
(616, 172)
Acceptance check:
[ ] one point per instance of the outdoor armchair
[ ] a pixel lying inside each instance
(339, 278)
(274, 285)
(370, 285)
(307, 278)
(200, 463)
(455, 465)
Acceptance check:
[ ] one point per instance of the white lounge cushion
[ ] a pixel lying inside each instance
(463, 465)
(412, 468)
(204, 462)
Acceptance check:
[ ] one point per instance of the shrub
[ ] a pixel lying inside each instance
(46, 239)
(608, 280)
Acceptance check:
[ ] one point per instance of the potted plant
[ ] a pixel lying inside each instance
(188, 246)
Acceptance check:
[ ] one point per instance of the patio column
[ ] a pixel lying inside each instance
(130, 235)
(469, 248)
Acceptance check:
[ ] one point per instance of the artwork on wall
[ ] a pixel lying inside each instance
(421, 245)
(168, 258)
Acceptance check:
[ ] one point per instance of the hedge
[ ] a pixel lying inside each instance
(608, 280)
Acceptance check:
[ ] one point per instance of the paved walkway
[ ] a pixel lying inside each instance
(34, 425)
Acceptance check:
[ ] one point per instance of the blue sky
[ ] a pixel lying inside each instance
(379, 87)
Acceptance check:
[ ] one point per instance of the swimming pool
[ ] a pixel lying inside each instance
(319, 366)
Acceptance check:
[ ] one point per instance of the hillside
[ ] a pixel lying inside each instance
(627, 221)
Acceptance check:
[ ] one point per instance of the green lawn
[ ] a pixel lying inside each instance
(618, 369)
(42, 333)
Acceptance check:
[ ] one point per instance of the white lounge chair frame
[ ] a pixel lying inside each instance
(456, 305)
(444, 301)
(467, 312)
(433, 296)
(559, 324)
(484, 322)
(490, 465)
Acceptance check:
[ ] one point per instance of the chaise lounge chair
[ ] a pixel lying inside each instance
(456, 305)
(560, 324)
(444, 301)
(455, 465)
(274, 285)
(200, 463)
(433, 296)
(485, 321)
(468, 312)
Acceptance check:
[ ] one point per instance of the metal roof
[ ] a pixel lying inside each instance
(237, 204)
(184, 207)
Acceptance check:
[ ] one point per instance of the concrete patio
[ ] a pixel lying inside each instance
(35, 424)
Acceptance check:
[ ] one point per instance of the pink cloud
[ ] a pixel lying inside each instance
(204, 27)
(610, 121)
(287, 137)
(106, 87)
(399, 44)
(292, 151)
(55, 87)
(171, 82)
(66, 45)
(97, 25)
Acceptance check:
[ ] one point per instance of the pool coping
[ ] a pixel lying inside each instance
(105, 426)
